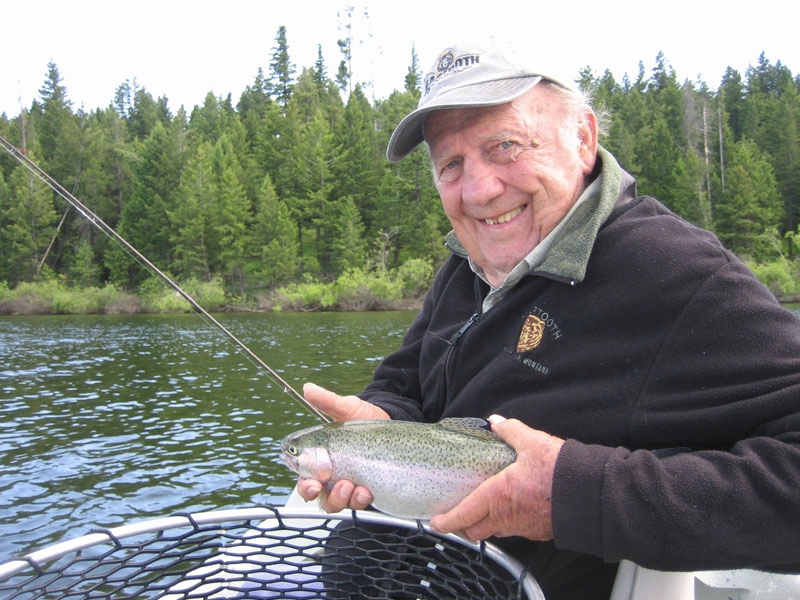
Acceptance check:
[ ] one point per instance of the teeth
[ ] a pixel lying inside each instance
(504, 218)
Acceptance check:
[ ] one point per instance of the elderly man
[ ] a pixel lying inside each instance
(649, 383)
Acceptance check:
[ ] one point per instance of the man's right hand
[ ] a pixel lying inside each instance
(341, 408)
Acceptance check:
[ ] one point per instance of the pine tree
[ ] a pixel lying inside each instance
(311, 165)
(144, 222)
(28, 226)
(52, 125)
(272, 245)
(414, 74)
(358, 162)
(731, 93)
(84, 270)
(191, 232)
(229, 217)
(344, 247)
(750, 207)
(281, 70)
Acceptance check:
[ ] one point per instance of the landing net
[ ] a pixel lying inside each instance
(268, 552)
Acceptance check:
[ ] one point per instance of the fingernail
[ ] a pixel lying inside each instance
(495, 419)
(363, 498)
(346, 490)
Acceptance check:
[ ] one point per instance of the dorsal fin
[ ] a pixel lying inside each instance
(473, 426)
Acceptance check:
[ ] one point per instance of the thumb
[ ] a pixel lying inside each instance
(331, 403)
(341, 408)
(508, 430)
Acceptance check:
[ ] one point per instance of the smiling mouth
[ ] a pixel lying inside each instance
(505, 218)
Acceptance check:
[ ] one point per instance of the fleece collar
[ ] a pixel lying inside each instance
(569, 245)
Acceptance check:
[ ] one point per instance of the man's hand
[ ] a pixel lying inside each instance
(341, 408)
(516, 501)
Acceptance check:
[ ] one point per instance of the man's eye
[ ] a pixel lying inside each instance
(449, 172)
(506, 149)
(505, 152)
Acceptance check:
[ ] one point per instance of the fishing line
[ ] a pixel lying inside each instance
(141, 259)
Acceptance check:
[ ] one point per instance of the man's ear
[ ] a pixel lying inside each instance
(587, 134)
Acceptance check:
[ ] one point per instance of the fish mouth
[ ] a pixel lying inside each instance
(506, 217)
(290, 461)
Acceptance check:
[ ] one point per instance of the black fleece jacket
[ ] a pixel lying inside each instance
(673, 374)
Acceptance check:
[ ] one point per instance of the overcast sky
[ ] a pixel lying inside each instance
(183, 50)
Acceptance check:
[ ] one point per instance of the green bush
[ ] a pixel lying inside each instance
(415, 276)
(308, 294)
(778, 276)
(360, 290)
(159, 297)
(51, 296)
(208, 294)
(356, 289)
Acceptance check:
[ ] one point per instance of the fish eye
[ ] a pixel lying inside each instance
(292, 450)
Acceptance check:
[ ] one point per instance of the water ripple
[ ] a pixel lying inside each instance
(109, 419)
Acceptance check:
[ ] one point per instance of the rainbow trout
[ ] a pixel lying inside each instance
(414, 470)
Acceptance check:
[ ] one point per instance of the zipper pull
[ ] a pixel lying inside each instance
(457, 335)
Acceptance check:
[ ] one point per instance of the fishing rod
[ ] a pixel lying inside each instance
(23, 159)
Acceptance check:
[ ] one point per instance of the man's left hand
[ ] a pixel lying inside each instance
(516, 501)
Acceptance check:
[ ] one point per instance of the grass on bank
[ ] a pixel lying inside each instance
(356, 290)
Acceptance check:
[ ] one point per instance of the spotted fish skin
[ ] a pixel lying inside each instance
(414, 470)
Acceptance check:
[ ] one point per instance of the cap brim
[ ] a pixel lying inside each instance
(408, 133)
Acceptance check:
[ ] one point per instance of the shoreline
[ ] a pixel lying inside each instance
(44, 308)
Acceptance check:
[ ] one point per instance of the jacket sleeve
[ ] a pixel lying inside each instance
(728, 379)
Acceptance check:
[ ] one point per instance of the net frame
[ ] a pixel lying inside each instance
(268, 552)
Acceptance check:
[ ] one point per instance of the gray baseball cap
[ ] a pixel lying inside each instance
(463, 76)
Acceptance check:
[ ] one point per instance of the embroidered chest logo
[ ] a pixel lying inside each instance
(531, 334)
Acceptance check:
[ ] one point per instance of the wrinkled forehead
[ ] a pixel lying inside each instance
(481, 125)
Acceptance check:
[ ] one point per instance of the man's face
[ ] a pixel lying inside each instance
(508, 174)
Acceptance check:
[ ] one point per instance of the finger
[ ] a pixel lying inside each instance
(325, 400)
(480, 531)
(344, 494)
(361, 498)
(308, 489)
(341, 408)
(466, 514)
(510, 431)
(338, 497)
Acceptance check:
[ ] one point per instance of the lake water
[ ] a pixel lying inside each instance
(106, 420)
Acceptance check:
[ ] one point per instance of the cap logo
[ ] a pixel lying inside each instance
(448, 64)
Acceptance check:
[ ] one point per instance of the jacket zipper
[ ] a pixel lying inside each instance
(451, 354)
(457, 335)
(452, 350)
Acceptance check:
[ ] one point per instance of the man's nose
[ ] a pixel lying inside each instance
(481, 182)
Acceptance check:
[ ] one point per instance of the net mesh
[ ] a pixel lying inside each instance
(268, 553)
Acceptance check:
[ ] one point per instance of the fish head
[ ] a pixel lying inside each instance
(305, 453)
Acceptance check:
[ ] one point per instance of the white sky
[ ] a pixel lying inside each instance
(183, 50)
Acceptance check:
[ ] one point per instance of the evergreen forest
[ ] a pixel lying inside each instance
(282, 199)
